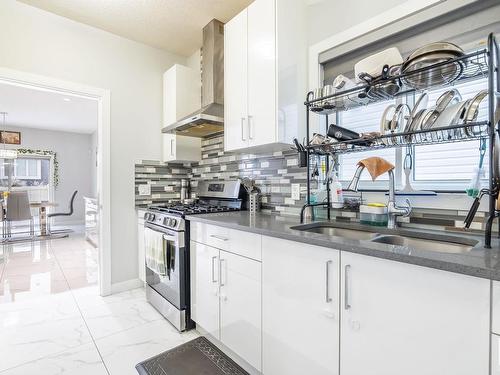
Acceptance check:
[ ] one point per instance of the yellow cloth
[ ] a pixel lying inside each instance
(376, 166)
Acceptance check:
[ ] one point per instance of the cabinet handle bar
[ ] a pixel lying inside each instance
(220, 272)
(219, 237)
(328, 299)
(213, 269)
(347, 306)
(243, 129)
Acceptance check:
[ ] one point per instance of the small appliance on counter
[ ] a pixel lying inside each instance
(166, 236)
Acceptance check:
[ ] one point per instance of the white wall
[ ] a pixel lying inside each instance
(74, 156)
(329, 17)
(39, 42)
(194, 61)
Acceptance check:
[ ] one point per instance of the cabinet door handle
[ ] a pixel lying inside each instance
(213, 269)
(250, 132)
(219, 237)
(243, 129)
(328, 299)
(220, 272)
(171, 147)
(347, 268)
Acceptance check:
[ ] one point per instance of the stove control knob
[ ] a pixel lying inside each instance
(173, 222)
(146, 215)
(166, 221)
(152, 217)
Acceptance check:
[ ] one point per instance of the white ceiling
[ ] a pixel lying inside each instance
(172, 25)
(39, 109)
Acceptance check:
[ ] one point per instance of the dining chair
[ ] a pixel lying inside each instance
(18, 209)
(71, 210)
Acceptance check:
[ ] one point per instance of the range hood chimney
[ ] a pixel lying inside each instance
(209, 120)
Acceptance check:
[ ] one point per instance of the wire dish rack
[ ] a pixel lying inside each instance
(472, 66)
(461, 69)
(449, 134)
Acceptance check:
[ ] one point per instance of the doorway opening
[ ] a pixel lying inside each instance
(54, 159)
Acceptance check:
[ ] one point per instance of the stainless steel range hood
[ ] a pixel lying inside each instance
(209, 120)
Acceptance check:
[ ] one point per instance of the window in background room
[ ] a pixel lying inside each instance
(28, 173)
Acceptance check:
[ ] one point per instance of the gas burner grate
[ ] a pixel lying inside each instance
(190, 209)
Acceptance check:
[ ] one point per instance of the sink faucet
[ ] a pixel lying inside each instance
(392, 209)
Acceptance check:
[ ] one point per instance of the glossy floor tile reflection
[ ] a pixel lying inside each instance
(53, 321)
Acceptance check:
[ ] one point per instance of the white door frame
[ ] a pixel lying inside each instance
(103, 97)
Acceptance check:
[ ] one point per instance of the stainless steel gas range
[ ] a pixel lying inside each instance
(167, 247)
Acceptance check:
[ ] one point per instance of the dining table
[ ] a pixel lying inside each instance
(42, 215)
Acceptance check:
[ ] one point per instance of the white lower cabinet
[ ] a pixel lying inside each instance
(495, 310)
(240, 306)
(495, 329)
(312, 310)
(205, 287)
(399, 318)
(495, 355)
(300, 308)
(226, 299)
(141, 256)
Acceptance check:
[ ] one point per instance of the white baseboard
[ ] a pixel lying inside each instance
(123, 286)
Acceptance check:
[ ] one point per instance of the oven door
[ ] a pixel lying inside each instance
(165, 264)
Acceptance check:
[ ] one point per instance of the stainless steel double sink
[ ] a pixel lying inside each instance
(414, 240)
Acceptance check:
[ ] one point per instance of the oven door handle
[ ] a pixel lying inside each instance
(169, 237)
(168, 256)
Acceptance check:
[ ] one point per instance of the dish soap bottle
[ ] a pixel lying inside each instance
(336, 194)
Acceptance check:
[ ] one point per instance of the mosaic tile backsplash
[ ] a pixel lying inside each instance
(274, 174)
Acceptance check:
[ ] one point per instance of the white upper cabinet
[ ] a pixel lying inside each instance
(300, 301)
(181, 93)
(235, 88)
(178, 148)
(265, 76)
(399, 318)
(181, 97)
(261, 73)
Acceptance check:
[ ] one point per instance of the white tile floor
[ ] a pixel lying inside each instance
(52, 320)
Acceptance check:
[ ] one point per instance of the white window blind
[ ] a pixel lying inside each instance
(447, 166)
(362, 120)
(24, 169)
(451, 162)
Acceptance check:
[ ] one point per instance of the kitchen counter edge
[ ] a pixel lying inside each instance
(481, 263)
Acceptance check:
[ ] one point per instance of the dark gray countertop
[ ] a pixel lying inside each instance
(478, 262)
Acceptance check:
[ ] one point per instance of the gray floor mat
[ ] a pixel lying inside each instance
(196, 357)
